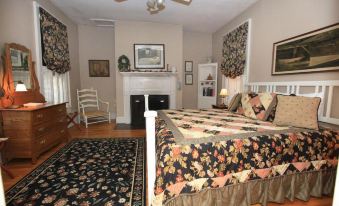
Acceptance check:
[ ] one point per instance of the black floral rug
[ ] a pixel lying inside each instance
(85, 172)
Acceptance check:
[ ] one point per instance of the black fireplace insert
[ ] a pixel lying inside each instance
(155, 102)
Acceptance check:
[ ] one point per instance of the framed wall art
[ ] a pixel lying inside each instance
(149, 56)
(98, 68)
(188, 79)
(188, 66)
(314, 51)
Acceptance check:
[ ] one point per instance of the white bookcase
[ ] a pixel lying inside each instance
(207, 87)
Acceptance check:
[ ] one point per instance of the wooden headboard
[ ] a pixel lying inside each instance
(323, 89)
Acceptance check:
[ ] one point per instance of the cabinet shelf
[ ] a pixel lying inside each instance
(207, 87)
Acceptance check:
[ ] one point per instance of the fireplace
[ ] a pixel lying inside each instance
(151, 83)
(156, 102)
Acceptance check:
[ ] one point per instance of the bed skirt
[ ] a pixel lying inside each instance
(298, 185)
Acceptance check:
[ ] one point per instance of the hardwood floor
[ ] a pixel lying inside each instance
(22, 167)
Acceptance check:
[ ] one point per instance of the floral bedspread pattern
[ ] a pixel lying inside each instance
(202, 126)
(190, 168)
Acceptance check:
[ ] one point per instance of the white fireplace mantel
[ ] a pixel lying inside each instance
(152, 83)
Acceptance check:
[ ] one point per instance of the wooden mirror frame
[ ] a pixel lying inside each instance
(12, 97)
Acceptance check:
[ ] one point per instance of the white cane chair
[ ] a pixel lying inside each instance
(89, 109)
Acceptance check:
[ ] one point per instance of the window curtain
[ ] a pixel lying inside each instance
(54, 43)
(55, 86)
(234, 52)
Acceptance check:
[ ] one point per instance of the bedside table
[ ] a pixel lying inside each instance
(219, 106)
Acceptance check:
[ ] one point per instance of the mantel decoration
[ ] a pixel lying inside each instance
(234, 51)
(314, 51)
(124, 64)
(54, 43)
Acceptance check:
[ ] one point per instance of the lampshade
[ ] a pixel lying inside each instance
(223, 92)
(20, 87)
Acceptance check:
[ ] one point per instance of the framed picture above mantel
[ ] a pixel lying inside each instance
(149, 56)
(314, 51)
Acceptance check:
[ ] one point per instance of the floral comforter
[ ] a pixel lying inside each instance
(193, 167)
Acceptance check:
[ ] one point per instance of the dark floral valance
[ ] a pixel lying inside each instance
(54, 43)
(234, 52)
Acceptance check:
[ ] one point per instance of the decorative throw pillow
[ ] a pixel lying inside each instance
(271, 116)
(234, 103)
(257, 105)
(297, 111)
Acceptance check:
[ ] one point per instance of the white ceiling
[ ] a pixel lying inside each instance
(201, 15)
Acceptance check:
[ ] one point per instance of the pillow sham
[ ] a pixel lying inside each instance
(297, 111)
(257, 105)
(234, 103)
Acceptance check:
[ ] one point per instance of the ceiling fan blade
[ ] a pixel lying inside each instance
(151, 4)
(185, 2)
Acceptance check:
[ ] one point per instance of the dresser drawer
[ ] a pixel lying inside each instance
(49, 126)
(44, 115)
(41, 115)
(47, 141)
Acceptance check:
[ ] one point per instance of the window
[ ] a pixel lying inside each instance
(54, 86)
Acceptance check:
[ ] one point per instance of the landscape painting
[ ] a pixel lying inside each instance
(311, 52)
(149, 56)
(98, 68)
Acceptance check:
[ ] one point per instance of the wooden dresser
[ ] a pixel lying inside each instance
(34, 130)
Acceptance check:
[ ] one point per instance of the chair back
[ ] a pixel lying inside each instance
(87, 98)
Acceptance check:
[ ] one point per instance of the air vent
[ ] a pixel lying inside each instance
(103, 22)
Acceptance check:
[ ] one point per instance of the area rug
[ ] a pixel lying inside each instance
(85, 172)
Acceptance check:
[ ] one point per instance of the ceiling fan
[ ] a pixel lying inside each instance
(154, 6)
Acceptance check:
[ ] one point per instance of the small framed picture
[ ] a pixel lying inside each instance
(188, 79)
(188, 66)
(98, 68)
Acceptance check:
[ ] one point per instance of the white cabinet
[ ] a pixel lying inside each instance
(207, 85)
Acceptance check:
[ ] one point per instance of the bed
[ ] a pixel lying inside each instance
(217, 157)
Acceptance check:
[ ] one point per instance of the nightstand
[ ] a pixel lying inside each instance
(219, 106)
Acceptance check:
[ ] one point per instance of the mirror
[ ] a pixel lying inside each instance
(20, 60)
(19, 68)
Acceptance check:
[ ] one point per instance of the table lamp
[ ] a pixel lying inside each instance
(223, 94)
(20, 87)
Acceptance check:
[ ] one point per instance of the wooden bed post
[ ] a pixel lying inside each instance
(150, 148)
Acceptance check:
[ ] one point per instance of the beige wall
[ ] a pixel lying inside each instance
(97, 43)
(128, 33)
(17, 25)
(197, 48)
(273, 21)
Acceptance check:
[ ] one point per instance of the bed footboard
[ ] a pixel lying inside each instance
(150, 148)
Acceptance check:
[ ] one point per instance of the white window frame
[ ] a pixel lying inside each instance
(39, 64)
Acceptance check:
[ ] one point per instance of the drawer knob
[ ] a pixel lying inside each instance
(62, 131)
(62, 120)
(40, 115)
(60, 110)
(43, 141)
